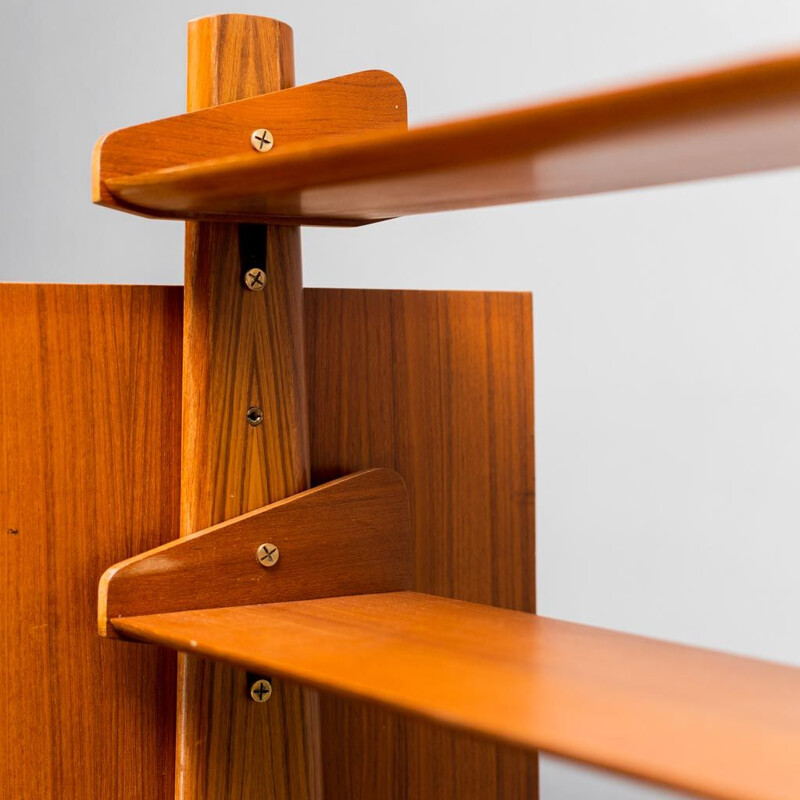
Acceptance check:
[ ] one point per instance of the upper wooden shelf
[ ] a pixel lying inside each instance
(739, 119)
(716, 725)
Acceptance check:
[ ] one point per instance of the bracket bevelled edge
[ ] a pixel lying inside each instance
(349, 536)
(349, 105)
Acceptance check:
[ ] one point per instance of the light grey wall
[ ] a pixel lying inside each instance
(667, 332)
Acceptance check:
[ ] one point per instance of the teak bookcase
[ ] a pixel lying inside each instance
(351, 472)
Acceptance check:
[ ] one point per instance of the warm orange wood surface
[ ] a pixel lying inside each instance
(350, 536)
(717, 725)
(439, 386)
(89, 474)
(733, 120)
(351, 104)
(241, 349)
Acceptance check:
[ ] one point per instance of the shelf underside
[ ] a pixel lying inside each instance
(717, 725)
(734, 120)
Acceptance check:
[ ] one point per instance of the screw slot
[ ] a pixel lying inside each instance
(255, 416)
(267, 554)
(262, 140)
(261, 690)
(255, 279)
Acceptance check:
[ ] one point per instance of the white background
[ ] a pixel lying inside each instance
(667, 332)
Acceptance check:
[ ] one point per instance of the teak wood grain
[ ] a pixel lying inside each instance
(717, 725)
(351, 104)
(241, 349)
(737, 119)
(438, 386)
(349, 536)
(89, 474)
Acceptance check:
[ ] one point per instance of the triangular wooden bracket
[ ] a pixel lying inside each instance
(349, 536)
(354, 104)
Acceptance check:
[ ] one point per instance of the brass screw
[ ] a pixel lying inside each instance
(261, 690)
(261, 140)
(255, 416)
(255, 279)
(267, 554)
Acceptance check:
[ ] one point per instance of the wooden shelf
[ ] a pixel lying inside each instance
(739, 119)
(717, 725)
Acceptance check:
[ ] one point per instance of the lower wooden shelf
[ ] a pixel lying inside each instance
(713, 724)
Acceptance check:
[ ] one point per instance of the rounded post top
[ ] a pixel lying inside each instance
(235, 56)
(233, 17)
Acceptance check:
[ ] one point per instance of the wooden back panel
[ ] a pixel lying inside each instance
(439, 386)
(89, 474)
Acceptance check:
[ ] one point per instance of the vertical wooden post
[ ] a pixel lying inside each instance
(241, 349)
